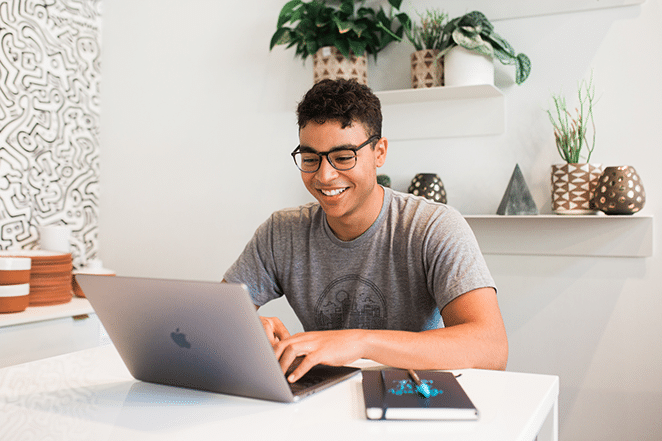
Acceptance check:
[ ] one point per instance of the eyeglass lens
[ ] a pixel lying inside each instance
(339, 159)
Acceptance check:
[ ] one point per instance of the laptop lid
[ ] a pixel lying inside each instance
(199, 335)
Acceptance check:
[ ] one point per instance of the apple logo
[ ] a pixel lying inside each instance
(180, 339)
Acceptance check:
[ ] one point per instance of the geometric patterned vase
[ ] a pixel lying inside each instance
(620, 191)
(429, 186)
(329, 63)
(427, 69)
(573, 188)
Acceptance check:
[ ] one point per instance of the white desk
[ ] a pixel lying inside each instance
(89, 395)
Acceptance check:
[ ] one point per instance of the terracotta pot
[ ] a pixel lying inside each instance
(463, 67)
(427, 69)
(620, 191)
(329, 63)
(573, 188)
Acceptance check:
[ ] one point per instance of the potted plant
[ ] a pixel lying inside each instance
(574, 182)
(471, 39)
(427, 69)
(338, 38)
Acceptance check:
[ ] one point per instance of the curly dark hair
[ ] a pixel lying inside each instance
(345, 101)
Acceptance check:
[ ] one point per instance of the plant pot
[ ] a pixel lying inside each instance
(620, 191)
(573, 188)
(329, 63)
(429, 186)
(463, 67)
(427, 69)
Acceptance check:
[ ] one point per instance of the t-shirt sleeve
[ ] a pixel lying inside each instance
(255, 267)
(455, 264)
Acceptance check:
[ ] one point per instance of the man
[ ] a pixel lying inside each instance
(367, 269)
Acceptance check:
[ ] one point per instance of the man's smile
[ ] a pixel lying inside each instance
(333, 192)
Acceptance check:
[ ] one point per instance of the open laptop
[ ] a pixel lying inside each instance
(199, 335)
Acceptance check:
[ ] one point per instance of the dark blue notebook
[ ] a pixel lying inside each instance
(391, 394)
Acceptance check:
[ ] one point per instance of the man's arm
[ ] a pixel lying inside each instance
(474, 337)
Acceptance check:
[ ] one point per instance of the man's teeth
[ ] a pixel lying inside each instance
(333, 192)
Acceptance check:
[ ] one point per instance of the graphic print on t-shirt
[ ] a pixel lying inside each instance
(351, 302)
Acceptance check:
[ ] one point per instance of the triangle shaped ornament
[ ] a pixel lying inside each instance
(517, 199)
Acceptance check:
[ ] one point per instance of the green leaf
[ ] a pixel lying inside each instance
(395, 3)
(472, 43)
(343, 26)
(358, 28)
(347, 7)
(358, 47)
(523, 68)
(281, 36)
(286, 12)
(343, 46)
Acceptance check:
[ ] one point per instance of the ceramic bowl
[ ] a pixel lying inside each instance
(14, 270)
(14, 298)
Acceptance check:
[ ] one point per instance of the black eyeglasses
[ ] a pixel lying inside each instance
(341, 158)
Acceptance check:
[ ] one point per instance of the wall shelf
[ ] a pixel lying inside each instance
(527, 8)
(443, 112)
(564, 235)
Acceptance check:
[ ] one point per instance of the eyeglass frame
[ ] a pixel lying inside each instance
(370, 140)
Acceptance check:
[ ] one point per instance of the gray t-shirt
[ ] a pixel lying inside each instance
(415, 258)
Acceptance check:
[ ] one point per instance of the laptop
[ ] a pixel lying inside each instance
(198, 335)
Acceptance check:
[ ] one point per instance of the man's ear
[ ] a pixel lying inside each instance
(380, 152)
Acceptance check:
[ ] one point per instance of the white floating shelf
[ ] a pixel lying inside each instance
(443, 112)
(76, 307)
(404, 96)
(564, 235)
(523, 8)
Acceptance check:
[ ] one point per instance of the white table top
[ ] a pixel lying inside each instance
(91, 395)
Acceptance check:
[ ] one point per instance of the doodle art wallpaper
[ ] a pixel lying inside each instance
(49, 121)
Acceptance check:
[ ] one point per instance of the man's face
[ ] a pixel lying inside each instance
(350, 195)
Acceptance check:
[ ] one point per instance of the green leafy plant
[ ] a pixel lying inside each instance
(571, 131)
(474, 32)
(427, 34)
(351, 27)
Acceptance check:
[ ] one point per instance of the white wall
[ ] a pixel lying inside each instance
(197, 126)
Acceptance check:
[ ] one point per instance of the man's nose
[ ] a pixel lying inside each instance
(326, 170)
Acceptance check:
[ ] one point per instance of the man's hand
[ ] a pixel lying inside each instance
(275, 329)
(334, 348)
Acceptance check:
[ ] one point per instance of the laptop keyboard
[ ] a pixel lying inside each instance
(310, 379)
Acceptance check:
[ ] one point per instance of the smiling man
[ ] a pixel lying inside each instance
(370, 272)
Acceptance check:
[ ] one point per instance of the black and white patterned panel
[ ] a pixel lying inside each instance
(49, 121)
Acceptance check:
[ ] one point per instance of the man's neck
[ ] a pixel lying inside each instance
(351, 227)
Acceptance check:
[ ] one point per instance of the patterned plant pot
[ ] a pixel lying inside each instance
(429, 186)
(620, 191)
(427, 69)
(329, 63)
(573, 188)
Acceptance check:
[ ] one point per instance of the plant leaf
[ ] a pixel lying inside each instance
(281, 36)
(347, 7)
(343, 46)
(523, 68)
(358, 47)
(286, 12)
(472, 42)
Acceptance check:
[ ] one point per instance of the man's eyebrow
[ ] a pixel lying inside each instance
(306, 149)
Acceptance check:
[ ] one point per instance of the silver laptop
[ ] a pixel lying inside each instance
(199, 335)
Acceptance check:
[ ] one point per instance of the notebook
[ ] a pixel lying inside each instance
(199, 335)
(391, 394)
